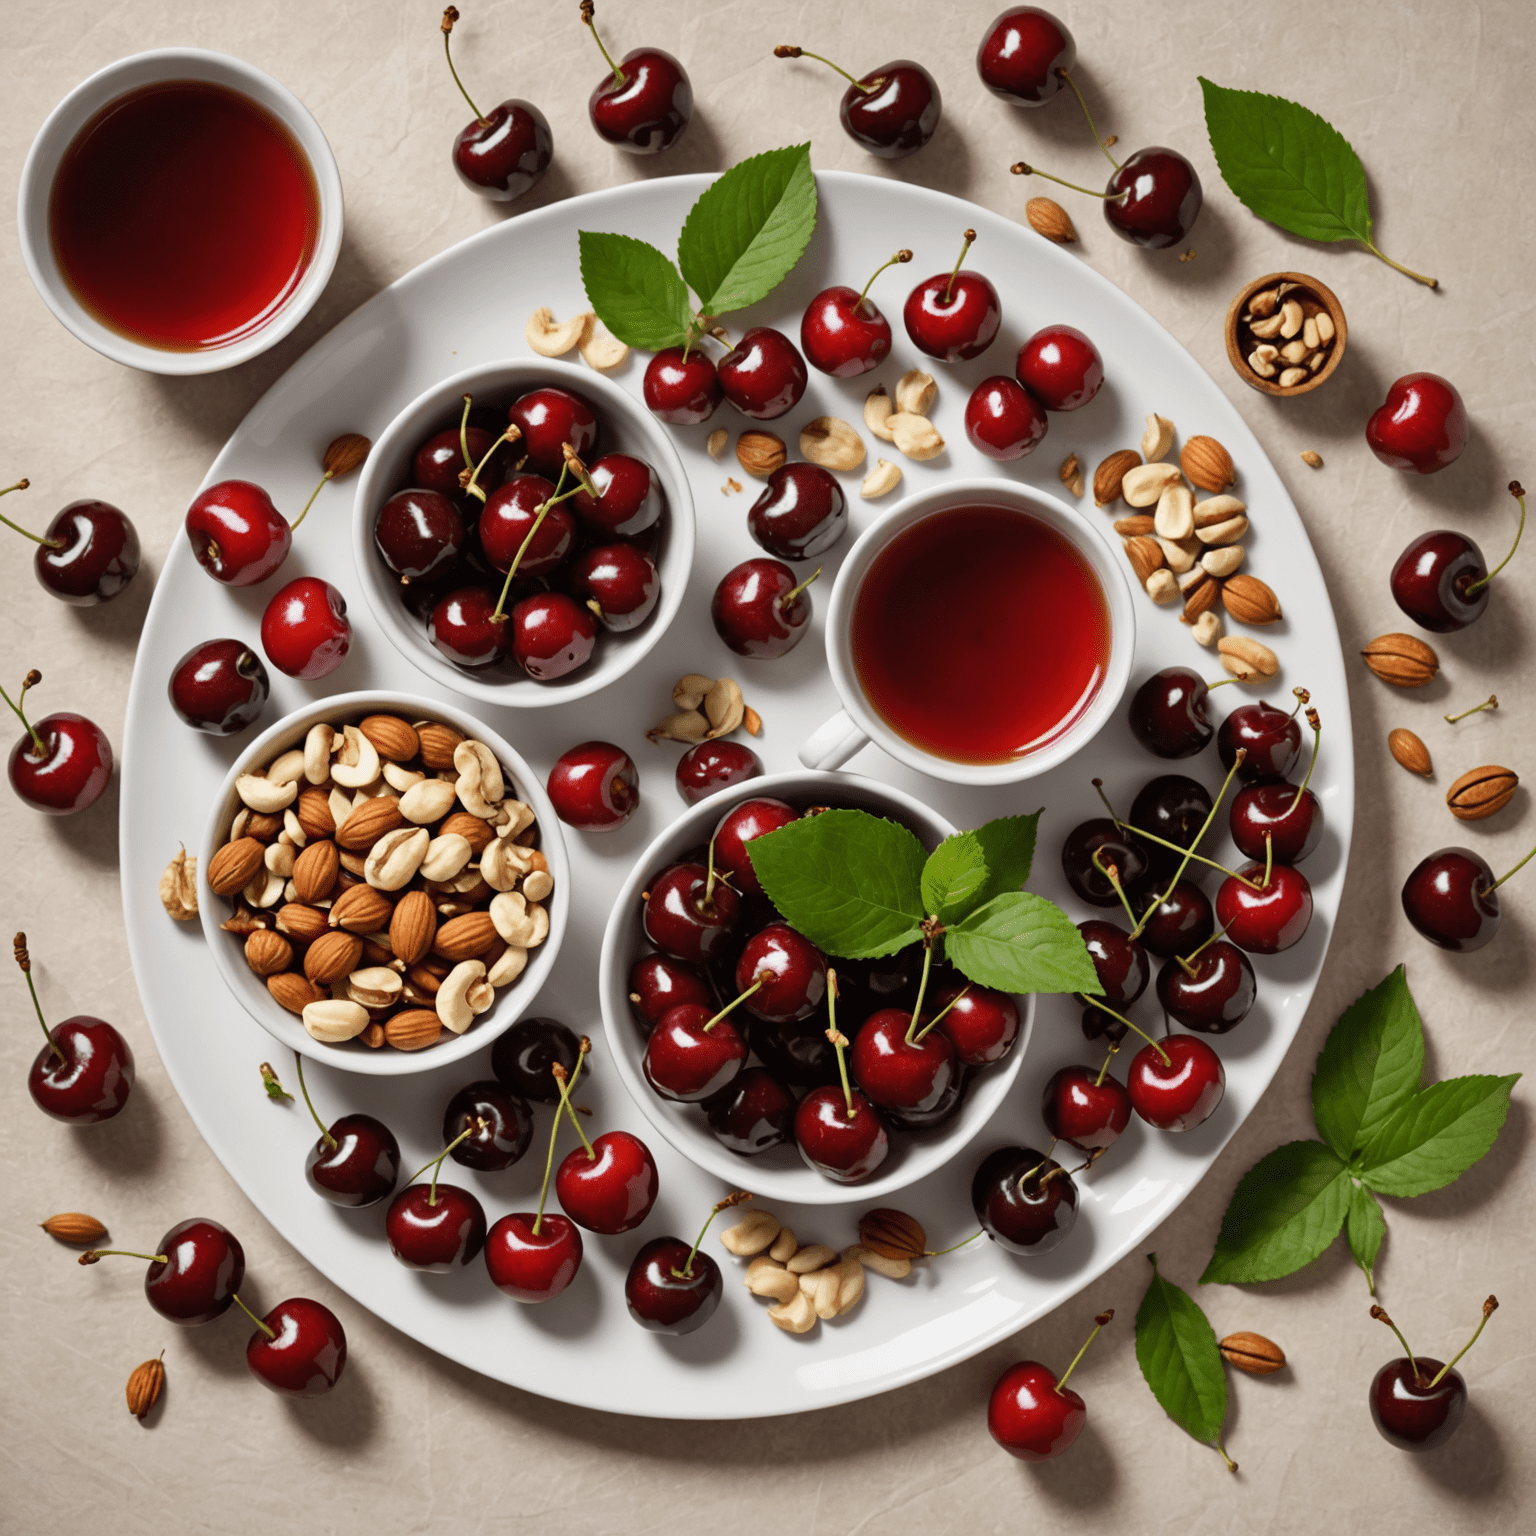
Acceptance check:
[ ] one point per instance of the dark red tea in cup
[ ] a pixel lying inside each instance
(183, 215)
(980, 634)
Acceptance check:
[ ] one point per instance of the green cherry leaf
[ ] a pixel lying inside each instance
(634, 290)
(1020, 942)
(967, 870)
(1433, 1139)
(849, 881)
(1177, 1351)
(1365, 1228)
(1370, 1064)
(1284, 1212)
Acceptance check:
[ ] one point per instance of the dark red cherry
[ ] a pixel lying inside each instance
(756, 1113)
(1173, 808)
(1450, 898)
(236, 533)
(801, 513)
(438, 463)
(1060, 367)
(981, 1026)
(760, 609)
(954, 315)
(743, 822)
(670, 1292)
(1211, 993)
(682, 389)
(509, 517)
(464, 626)
(843, 333)
(300, 1350)
(1025, 1201)
(1169, 713)
(1162, 198)
(1270, 737)
(1116, 848)
(1434, 578)
(551, 635)
(1421, 426)
(692, 1054)
(85, 1075)
(1077, 1107)
(1182, 922)
(532, 1258)
(549, 418)
(618, 583)
(594, 786)
(1290, 818)
(1030, 1415)
(844, 1146)
(610, 1189)
(305, 631)
(87, 554)
(355, 1163)
(657, 983)
(644, 101)
(61, 763)
(1179, 1092)
(630, 499)
(499, 1122)
(898, 1074)
(793, 973)
(892, 111)
(1118, 959)
(419, 535)
(505, 153)
(219, 686)
(715, 765)
(797, 1054)
(437, 1228)
(688, 918)
(1267, 919)
(1003, 420)
(193, 1273)
(524, 1056)
(1411, 1413)
(763, 375)
(1098, 1025)
(1022, 57)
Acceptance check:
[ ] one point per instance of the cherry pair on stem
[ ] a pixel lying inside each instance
(1418, 1404)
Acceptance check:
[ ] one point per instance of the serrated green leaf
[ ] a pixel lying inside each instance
(1365, 1229)
(748, 228)
(849, 881)
(967, 870)
(1177, 1351)
(1020, 942)
(1437, 1135)
(1285, 1211)
(634, 290)
(1370, 1064)
(1287, 164)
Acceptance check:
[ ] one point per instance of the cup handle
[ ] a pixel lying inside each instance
(832, 744)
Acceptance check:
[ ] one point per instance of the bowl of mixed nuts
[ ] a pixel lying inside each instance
(1286, 333)
(382, 883)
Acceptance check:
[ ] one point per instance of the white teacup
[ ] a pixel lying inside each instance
(857, 723)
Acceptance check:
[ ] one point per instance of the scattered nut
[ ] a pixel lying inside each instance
(1157, 439)
(1410, 751)
(1222, 562)
(1109, 477)
(1134, 526)
(1229, 532)
(1163, 587)
(145, 1383)
(1250, 601)
(1311, 458)
(724, 707)
(783, 1246)
(717, 442)
(916, 436)
(797, 1315)
(1207, 465)
(893, 1234)
(1143, 484)
(916, 392)
(1405, 661)
(554, 338)
(1253, 1353)
(1248, 660)
(1047, 217)
(892, 1269)
(881, 480)
(878, 408)
(751, 1235)
(1145, 555)
(1071, 474)
(601, 350)
(774, 1281)
(812, 1257)
(687, 725)
(1481, 792)
(1207, 628)
(1217, 509)
(690, 690)
(760, 453)
(1175, 514)
(178, 887)
(1179, 553)
(832, 443)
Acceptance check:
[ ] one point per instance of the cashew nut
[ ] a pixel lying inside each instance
(601, 350)
(1145, 483)
(504, 863)
(375, 986)
(772, 1280)
(340, 804)
(293, 830)
(554, 338)
(334, 1020)
(392, 862)
(279, 858)
(288, 768)
(507, 966)
(784, 1246)
(812, 1257)
(263, 796)
(318, 747)
(538, 885)
(797, 1315)
(881, 480)
(832, 443)
(822, 1287)
(265, 889)
(480, 784)
(851, 1291)
(446, 856)
(517, 921)
(453, 1003)
(916, 436)
(428, 801)
(751, 1235)
(1157, 439)
(518, 818)
(400, 778)
(358, 762)
(916, 392)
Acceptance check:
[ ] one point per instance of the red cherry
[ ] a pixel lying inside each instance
(610, 1189)
(594, 786)
(532, 1258)
(435, 1227)
(801, 514)
(1269, 915)
(86, 555)
(84, 1075)
(644, 102)
(755, 1113)
(1078, 1107)
(465, 626)
(981, 1024)
(711, 766)
(1181, 922)
(1162, 198)
(524, 1058)
(438, 463)
(419, 535)
(551, 635)
(1270, 738)
(763, 375)
(503, 152)
(1168, 713)
(219, 686)
(1003, 420)
(618, 583)
(843, 332)
(355, 1162)
(299, 1348)
(658, 983)
(902, 1074)
(1211, 993)
(1418, 1404)
(510, 515)
(841, 1135)
(630, 499)
(1025, 1200)
(1451, 898)
(1176, 1083)
(790, 974)
(954, 315)
(1421, 426)
(693, 1053)
(304, 630)
(61, 763)
(681, 388)
(688, 914)
(236, 533)
(891, 111)
(760, 610)
(193, 1272)
(1031, 1414)
(743, 822)
(1060, 367)
(1024, 54)
(1290, 817)
(672, 1288)
(549, 418)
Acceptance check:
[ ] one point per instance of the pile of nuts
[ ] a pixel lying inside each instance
(601, 350)
(707, 708)
(1286, 334)
(385, 881)
(1188, 551)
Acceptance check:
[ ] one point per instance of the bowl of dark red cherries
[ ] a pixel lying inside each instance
(810, 1078)
(524, 532)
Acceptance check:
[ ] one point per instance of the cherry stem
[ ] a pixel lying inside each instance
(1515, 871)
(91, 1255)
(1269, 860)
(922, 989)
(1111, 872)
(933, 1022)
(554, 1132)
(36, 538)
(450, 16)
(1094, 1002)
(271, 1333)
(31, 680)
(1094, 131)
(559, 1071)
(1303, 698)
(325, 480)
(1109, 1056)
(1185, 960)
(938, 1253)
(1489, 1308)
(522, 549)
(1221, 1451)
(1103, 1320)
(795, 592)
(1491, 702)
(469, 462)
(949, 287)
(839, 1042)
(1021, 169)
(470, 478)
(1198, 858)
(707, 906)
(325, 1134)
(760, 980)
(1518, 492)
(587, 8)
(1317, 741)
(1380, 1314)
(1152, 837)
(898, 259)
(739, 1198)
(1418, 277)
(789, 51)
(436, 1165)
(24, 960)
(1026, 1177)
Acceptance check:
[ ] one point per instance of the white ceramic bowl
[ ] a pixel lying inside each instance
(627, 427)
(781, 1173)
(78, 108)
(249, 989)
(856, 724)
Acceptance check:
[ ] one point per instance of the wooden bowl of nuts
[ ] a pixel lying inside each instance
(1286, 333)
(383, 883)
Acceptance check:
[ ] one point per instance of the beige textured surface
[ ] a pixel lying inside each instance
(1435, 95)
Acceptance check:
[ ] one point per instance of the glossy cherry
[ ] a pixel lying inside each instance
(682, 388)
(892, 111)
(1114, 847)
(524, 1057)
(644, 101)
(658, 983)
(918, 1074)
(499, 1123)
(237, 535)
(435, 1227)
(1451, 898)
(1419, 1403)
(1031, 1414)
(672, 1288)
(756, 1113)
(299, 1349)
(1098, 1025)
(763, 375)
(1082, 1106)
(1003, 420)
(1176, 1083)
(552, 635)
(522, 506)
(760, 609)
(1162, 198)
(801, 513)
(85, 1072)
(61, 763)
(840, 1134)
(219, 686)
(629, 501)
(694, 1052)
(1119, 961)
(548, 418)
(1211, 993)
(1266, 916)
(419, 534)
(745, 821)
(1174, 808)
(1441, 581)
(618, 583)
(1169, 713)
(711, 766)
(1270, 738)
(87, 554)
(791, 971)
(193, 1273)
(1060, 367)
(1182, 921)
(532, 1256)
(594, 786)
(981, 1024)
(843, 331)
(502, 153)
(610, 1187)
(797, 1054)
(1024, 54)
(464, 626)
(355, 1162)
(439, 462)
(688, 914)
(954, 315)
(1290, 817)
(305, 630)
(1421, 426)
(1025, 1200)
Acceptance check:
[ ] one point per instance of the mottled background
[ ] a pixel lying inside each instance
(1436, 97)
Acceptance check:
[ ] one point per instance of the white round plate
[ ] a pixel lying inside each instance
(469, 306)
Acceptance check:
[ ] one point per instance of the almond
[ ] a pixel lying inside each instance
(1481, 792)
(314, 871)
(1410, 751)
(1200, 597)
(463, 938)
(760, 453)
(144, 1386)
(437, 743)
(475, 829)
(1047, 217)
(293, 992)
(1253, 1353)
(368, 823)
(332, 956)
(1249, 600)
(1145, 555)
(1110, 475)
(234, 866)
(314, 813)
(74, 1227)
(262, 827)
(892, 1234)
(1134, 527)
(361, 910)
(267, 953)
(1207, 465)
(1402, 660)
(412, 1029)
(392, 738)
(413, 926)
(300, 922)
